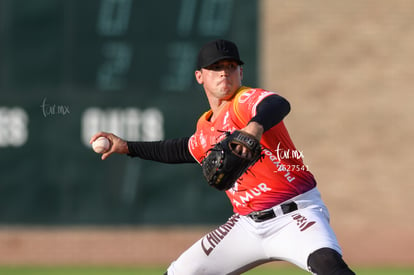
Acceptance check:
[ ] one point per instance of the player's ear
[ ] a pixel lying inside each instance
(199, 77)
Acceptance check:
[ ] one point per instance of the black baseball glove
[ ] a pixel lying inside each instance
(230, 158)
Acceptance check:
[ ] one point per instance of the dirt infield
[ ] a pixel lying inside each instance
(160, 246)
(93, 246)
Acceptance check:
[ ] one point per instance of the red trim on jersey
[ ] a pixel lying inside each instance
(279, 176)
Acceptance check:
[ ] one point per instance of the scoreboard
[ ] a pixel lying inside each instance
(70, 68)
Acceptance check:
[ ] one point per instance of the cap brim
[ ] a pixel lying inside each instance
(211, 62)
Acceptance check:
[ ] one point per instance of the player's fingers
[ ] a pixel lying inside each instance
(99, 134)
(238, 149)
(94, 137)
(106, 155)
(242, 151)
(246, 152)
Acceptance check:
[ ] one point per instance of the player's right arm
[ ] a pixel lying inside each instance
(167, 151)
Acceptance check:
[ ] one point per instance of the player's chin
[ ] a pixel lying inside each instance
(227, 91)
(225, 83)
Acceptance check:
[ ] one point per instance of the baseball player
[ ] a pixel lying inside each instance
(278, 211)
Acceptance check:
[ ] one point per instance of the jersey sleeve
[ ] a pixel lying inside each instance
(194, 148)
(246, 101)
(198, 140)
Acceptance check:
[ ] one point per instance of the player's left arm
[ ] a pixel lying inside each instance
(269, 112)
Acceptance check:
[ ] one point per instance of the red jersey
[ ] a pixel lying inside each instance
(279, 176)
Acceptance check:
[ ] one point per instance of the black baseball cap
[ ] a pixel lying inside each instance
(217, 50)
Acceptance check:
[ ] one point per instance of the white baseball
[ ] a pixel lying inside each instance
(101, 145)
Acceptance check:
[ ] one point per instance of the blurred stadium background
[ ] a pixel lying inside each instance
(71, 68)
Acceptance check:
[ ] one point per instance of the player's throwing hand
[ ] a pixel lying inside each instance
(117, 144)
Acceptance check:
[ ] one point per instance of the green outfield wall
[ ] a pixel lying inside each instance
(71, 68)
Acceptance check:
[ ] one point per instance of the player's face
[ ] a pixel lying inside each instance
(221, 80)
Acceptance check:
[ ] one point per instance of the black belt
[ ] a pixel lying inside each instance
(264, 215)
